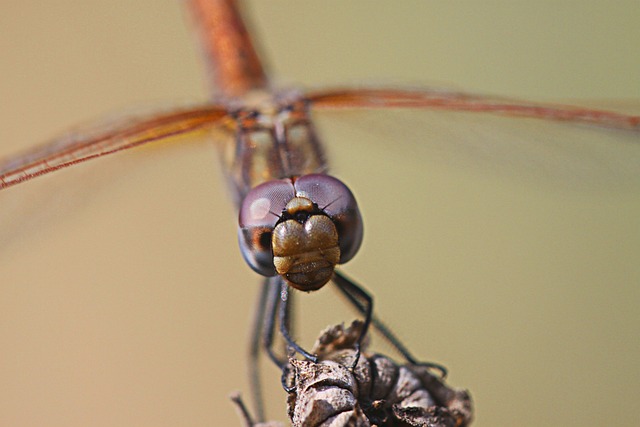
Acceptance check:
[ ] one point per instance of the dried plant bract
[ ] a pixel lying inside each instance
(375, 392)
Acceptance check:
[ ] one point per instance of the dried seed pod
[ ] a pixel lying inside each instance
(374, 392)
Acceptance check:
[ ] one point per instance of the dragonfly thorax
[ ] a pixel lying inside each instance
(300, 229)
(274, 139)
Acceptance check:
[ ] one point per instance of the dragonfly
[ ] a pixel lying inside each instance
(278, 112)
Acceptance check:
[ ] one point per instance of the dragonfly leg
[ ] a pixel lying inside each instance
(284, 323)
(286, 380)
(272, 305)
(257, 332)
(363, 303)
(352, 291)
(275, 305)
(262, 339)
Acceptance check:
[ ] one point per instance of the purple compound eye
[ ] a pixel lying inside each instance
(336, 200)
(299, 228)
(259, 213)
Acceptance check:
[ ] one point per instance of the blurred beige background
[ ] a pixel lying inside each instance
(124, 301)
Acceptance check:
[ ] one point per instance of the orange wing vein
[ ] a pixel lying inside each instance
(455, 101)
(88, 144)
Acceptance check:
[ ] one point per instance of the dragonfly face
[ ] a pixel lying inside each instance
(300, 228)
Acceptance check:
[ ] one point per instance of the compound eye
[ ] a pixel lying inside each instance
(336, 200)
(259, 213)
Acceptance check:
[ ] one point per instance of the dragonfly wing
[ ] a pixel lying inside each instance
(106, 138)
(438, 99)
(545, 154)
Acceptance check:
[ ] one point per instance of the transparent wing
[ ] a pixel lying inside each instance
(545, 154)
(106, 138)
(438, 99)
(547, 145)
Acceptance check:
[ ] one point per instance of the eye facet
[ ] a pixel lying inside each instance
(336, 200)
(259, 213)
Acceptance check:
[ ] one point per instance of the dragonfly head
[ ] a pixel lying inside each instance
(300, 229)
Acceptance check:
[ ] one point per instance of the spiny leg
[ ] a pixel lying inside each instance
(257, 332)
(278, 307)
(363, 303)
(272, 308)
(348, 287)
(284, 323)
(262, 339)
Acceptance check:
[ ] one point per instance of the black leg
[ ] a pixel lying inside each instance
(275, 306)
(270, 318)
(257, 334)
(284, 323)
(361, 300)
(353, 292)
(262, 338)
